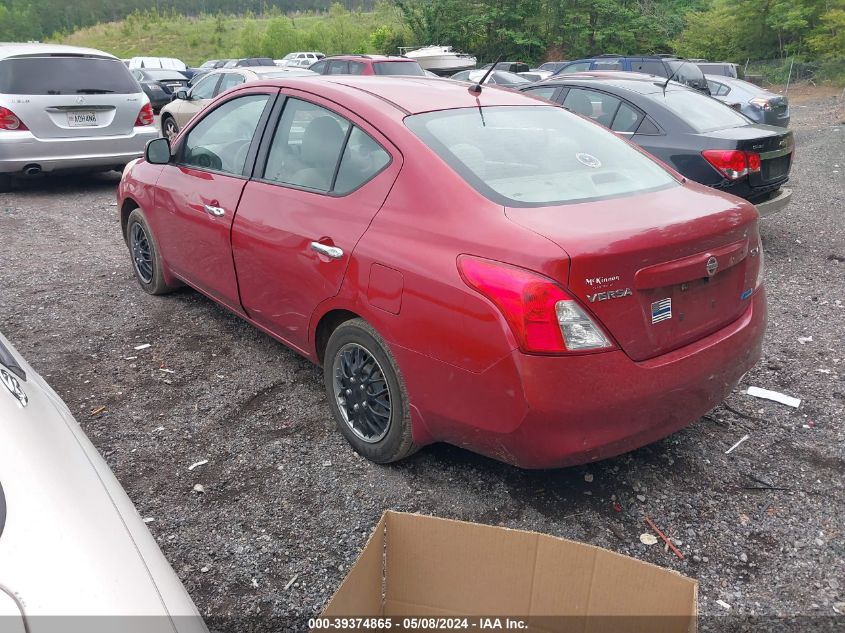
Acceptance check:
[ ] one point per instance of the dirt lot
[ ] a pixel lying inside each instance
(288, 505)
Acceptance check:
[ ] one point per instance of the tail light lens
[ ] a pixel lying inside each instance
(145, 116)
(542, 316)
(731, 163)
(760, 103)
(10, 121)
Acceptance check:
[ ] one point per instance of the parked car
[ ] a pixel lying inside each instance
(666, 66)
(497, 78)
(511, 67)
(725, 69)
(536, 75)
(161, 63)
(71, 542)
(178, 112)
(702, 138)
(300, 59)
(757, 103)
(63, 108)
(519, 308)
(206, 67)
(160, 85)
(552, 67)
(367, 65)
(247, 62)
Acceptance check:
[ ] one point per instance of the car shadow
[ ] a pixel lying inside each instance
(67, 183)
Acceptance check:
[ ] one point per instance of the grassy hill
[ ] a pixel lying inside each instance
(195, 39)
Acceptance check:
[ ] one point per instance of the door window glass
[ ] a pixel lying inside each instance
(319, 67)
(362, 159)
(230, 80)
(339, 68)
(221, 140)
(649, 67)
(627, 119)
(306, 146)
(597, 105)
(546, 92)
(612, 64)
(205, 88)
(356, 68)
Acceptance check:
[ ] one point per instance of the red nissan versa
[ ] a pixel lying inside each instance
(485, 269)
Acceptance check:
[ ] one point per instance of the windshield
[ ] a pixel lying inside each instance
(700, 112)
(537, 155)
(398, 68)
(65, 75)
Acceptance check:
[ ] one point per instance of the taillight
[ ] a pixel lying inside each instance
(733, 163)
(10, 121)
(542, 316)
(145, 116)
(760, 103)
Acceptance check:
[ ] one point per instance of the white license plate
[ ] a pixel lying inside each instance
(82, 118)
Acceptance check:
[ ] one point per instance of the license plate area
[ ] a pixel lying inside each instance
(775, 167)
(82, 118)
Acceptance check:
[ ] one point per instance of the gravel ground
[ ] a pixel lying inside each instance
(285, 496)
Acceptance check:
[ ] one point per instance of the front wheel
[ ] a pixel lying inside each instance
(169, 128)
(366, 393)
(146, 260)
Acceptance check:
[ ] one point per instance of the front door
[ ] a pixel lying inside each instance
(198, 195)
(183, 110)
(325, 175)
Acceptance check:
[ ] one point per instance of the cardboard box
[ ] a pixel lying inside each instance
(416, 565)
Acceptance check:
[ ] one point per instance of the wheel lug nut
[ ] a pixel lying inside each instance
(363, 387)
(356, 407)
(348, 392)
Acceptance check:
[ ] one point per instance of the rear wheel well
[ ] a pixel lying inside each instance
(328, 324)
(129, 205)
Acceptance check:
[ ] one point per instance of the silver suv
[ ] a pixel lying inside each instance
(63, 107)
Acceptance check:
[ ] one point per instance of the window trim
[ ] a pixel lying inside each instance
(270, 134)
(249, 163)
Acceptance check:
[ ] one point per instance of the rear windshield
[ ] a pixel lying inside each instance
(164, 75)
(65, 75)
(700, 112)
(688, 73)
(398, 68)
(537, 155)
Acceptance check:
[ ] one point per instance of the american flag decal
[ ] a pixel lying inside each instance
(661, 310)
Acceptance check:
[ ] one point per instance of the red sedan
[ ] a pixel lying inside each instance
(482, 269)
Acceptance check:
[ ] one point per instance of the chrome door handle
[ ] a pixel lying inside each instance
(329, 251)
(215, 211)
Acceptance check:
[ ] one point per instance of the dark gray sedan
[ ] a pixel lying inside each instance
(758, 104)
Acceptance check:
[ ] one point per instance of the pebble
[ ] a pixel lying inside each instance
(204, 570)
(743, 557)
(199, 489)
(588, 478)
(833, 583)
(641, 497)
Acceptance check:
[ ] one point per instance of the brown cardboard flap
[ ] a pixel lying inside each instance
(361, 592)
(416, 565)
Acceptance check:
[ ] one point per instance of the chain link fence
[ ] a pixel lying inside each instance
(789, 70)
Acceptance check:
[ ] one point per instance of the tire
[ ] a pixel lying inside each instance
(5, 183)
(169, 127)
(381, 434)
(144, 253)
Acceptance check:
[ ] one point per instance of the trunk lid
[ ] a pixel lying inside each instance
(774, 144)
(72, 116)
(640, 264)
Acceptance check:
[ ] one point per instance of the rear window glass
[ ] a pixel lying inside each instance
(537, 155)
(688, 73)
(700, 112)
(398, 68)
(65, 75)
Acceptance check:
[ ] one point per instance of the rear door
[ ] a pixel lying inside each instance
(60, 96)
(198, 98)
(197, 195)
(322, 174)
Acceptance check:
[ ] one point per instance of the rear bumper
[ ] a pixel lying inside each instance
(20, 149)
(550, 412)
(775, 204)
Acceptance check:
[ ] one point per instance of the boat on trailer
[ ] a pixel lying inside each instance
(441, 60)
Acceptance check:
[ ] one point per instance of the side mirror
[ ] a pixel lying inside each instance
(182, 94)
(158, 151)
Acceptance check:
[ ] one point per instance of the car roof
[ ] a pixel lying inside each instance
(374, 58)
(24, 50)
(411, 95)
(635, 82)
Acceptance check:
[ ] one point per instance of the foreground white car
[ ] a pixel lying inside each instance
(71, 542)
